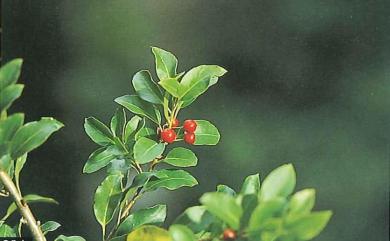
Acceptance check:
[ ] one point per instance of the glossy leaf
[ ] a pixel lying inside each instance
(19, 164)
(224, 207)
(181, 233)
(279, 183)
(226, 189)
(9, 94)
(101, 158)
(197, 218)
(302, 202)
(50, 226)
(118, 122)
(149, 233)
(131, 127)
(10, 125)
(309, 226)
(152, 215)
(146, 150)
(181, 157)
(107, 198)
(166, 63)
(30, 198)
(10, 72)
(248, 203)
(171, 180)
(69, 238)
(98, 132)
(206, 133)
(146, 88)
(32, 135)
(139, 107)
(263, 211)
(251, 185)
(171, 85)
(6, 231)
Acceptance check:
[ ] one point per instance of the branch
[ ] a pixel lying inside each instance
(23, 207)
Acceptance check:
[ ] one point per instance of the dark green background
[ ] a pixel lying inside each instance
(308, 83)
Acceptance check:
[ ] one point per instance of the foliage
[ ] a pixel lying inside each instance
(137, 160)
(17, 139)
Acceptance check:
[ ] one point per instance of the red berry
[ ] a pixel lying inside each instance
(229, 234)
(168, 135)
(175, 123)
(189, 137)
(190, 126)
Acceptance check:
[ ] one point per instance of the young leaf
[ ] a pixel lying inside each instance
(49, 226)
(69, 238)
(107, 198)
(308, 226)
(10, 72)
(181, 233)
(279, 183)
(6, 231)
(9, 126)
(149, 233)
(131, 127)
(30, 198)
(171, 85)
(197, 218)
(146, 88)
(19, 164)
(166, 63)
(146, 150)
(181, 157)
(118, 122)
(206, 133)
(196, 81)
(171, 180)
(224, 207)
(139, 107)
(101, 158)
(152, 215)
(98, 132)
(226, 189)
(32, 135)
(264, 211)
(9, 94)
(302, 202)
(251, 185)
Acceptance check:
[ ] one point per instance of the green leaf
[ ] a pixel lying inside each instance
(49, 226)
(32, 135)
(206, 133)
(196, 81)
(263, 211)
(308, 226)
(302, 202)
(107, 198)
(6, 164)
(147, 132)
(7, 231)
(166, 63)
(248, 203)
(30, 198)
(98, 132)
(171, 180)
(10, 72)
(101, 158)
(197, 218)
(18, 167)
(9, 94)
(118, 122)
(279, 183)
(152, 215)
(251, 185)
(146, 88)
(149, 233)
(226, 189)
(69, 238)
(131, 127)
(181, 157)
(181, 233)
(9, 126)
(146, 150)
(224, 207)
(139, 107)
(171, 85)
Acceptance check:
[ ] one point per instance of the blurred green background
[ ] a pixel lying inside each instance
(308, 83)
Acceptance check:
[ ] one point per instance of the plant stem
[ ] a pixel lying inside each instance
(23, 207)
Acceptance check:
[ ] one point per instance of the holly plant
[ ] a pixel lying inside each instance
(17, 139)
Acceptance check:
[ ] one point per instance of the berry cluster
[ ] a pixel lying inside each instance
(169, 135)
